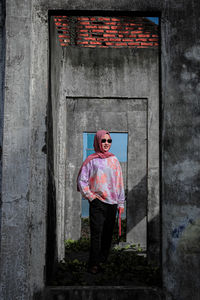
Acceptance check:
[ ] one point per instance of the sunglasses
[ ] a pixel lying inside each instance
(104, 140)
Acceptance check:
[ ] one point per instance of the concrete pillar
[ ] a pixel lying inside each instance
(15, 220)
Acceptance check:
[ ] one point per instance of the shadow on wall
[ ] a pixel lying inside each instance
(154, 240)
(137, 210)
(51, 244)
(137, 204)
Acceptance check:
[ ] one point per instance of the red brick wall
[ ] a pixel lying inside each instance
(104, 32)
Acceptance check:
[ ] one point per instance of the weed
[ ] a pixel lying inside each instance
(124, 267)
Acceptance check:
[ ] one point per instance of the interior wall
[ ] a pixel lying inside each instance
(117, 73)
(26, 97)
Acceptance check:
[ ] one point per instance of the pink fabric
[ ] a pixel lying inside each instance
(102, 179)
(99, 152)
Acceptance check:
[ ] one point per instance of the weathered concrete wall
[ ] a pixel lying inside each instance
(24, 191)
(128, 73)
(52, 241)
(112, 73)
(2, 76)
(108, 73)
(119, 73)
(15, 221)
(56, 139)
(38, 90)
(23, 223)
(180, 149)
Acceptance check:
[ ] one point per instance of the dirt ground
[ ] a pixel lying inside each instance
(127, 265)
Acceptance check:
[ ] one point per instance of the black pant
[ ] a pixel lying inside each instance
(102, 222)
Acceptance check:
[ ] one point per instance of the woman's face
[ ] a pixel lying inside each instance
(105, 145)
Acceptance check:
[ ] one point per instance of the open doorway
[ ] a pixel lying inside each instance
(119, 115)
(97, 84)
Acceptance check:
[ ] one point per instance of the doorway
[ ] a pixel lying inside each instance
(116, 115)
(116, 88)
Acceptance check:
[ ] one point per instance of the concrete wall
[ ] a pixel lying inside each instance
(2, 76)
(24, 163)
(180, 148)
(23, 222)
(106, 74)
(15, 220)
(56, 150)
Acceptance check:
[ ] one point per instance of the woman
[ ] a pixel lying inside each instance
(100, 181)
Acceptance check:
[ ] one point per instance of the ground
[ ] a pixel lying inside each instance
(127, 264)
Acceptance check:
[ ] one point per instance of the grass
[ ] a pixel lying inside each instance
(125, 266)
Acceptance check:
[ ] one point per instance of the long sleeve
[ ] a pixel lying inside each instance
(120, 187)
(102, 179)
(84, 183)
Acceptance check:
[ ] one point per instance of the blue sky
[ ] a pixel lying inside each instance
(118, 147)
(154, 19)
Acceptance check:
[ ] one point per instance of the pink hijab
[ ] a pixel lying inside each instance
(99, 152)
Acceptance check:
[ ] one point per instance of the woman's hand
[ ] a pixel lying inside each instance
(99, 197)
(121, 209)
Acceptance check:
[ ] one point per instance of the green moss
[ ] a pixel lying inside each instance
(125, 266)
(80, 245)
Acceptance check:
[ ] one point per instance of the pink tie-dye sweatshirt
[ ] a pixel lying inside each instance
(102, 177)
